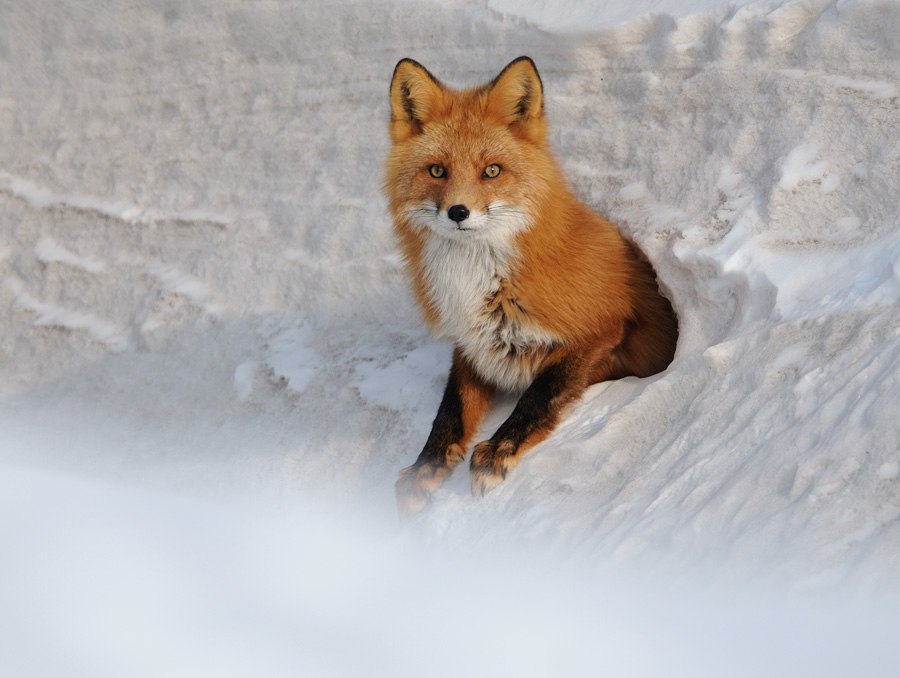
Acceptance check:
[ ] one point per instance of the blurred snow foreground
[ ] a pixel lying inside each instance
(212, 367)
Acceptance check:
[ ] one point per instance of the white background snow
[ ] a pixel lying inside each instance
(212, 367)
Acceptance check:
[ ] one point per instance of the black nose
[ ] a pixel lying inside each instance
(458, 213)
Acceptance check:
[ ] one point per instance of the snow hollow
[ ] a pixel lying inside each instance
(212, 367)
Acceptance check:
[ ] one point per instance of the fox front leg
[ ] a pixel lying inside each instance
(466, 399)
(533, 419)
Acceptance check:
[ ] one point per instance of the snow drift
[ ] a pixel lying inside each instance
(201, 295)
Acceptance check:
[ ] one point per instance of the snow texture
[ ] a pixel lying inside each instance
(213, 366)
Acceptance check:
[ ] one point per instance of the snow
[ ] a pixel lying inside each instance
(574, 16)
(800, 165)
(213, 367)
(49, 251)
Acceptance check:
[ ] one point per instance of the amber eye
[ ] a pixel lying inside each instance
(492, 171)
(437, 171)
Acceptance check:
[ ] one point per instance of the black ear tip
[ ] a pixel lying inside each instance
(406, 61)
(522, 59)
(526, 59)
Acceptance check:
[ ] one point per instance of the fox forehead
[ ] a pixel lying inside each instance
(463, 140)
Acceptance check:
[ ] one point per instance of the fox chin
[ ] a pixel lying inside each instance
(539, 294)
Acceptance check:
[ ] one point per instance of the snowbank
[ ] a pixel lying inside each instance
(202, 297)
(116, 582)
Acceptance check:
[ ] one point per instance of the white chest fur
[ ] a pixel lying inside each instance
(464, 279)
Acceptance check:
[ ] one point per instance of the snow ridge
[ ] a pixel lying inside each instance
(272, 351)
(43, 198)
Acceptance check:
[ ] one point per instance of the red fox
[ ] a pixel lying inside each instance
(539, 294)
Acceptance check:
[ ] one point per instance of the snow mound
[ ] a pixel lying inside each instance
(201, 292)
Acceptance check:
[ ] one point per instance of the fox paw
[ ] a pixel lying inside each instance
(490, 463)
(415, 484)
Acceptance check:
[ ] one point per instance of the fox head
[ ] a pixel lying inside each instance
(468, 164)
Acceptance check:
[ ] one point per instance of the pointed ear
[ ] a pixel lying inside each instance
(516, 96)
(416, 97)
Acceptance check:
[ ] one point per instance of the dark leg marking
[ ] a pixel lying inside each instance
(534, 417)
(465, 400)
